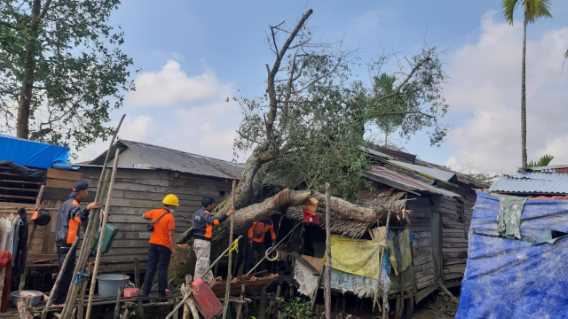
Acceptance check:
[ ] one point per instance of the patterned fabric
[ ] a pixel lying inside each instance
(202, 250)
(509, 218)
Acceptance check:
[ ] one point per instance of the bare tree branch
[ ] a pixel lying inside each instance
(271, 89)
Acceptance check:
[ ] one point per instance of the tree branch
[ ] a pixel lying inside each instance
(406, 80)
(45, 9)
(271, 90)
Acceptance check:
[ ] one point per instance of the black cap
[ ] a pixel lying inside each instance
(206, 201)
(80, 186)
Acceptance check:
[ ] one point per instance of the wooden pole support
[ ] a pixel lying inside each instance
(230, 261)
(101, 233)
(327, 281)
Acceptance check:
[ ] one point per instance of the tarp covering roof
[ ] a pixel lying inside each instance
(33, 154)
(147, 156)
(531, 183)
(509, 278)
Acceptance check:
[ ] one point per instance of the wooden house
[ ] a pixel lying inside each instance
(145, 174)
(439, 204)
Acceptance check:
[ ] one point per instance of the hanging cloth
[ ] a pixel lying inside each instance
(509, 217)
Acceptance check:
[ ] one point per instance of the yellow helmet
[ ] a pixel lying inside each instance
(171, 200)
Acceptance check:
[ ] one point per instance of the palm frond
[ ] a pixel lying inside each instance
(542, 161)
(509, 9)
(535, 9)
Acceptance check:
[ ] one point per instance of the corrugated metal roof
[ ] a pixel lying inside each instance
(531, 183)
(432, 172)
(146, 156)
(400, 181)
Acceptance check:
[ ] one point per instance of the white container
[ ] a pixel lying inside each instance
(109, 284)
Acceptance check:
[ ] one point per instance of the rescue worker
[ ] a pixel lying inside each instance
(257, 234)
(69, 219)
(202, 232)
(162, 225)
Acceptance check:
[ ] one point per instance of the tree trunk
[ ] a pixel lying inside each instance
(26, 92)
(524, 100)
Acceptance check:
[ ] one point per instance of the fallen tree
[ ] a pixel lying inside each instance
(307, 129)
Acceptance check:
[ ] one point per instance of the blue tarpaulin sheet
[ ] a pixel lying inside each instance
(509, 278)
(33, 154)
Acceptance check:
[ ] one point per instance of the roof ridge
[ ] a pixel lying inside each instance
(178, 151)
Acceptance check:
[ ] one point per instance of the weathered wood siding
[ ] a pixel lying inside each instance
(420, 224)
(136, 191)
(454, 237)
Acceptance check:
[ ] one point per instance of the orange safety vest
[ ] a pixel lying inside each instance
(73, 227)
(257, 231)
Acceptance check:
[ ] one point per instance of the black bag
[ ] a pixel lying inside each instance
(150, 226)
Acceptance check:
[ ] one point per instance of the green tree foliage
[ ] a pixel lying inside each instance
(317, 132)
(532, 10)
(62, 70)
(410, 100)
(542, 161)
(309, 127)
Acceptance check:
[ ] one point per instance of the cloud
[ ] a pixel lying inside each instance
(484, 87)
(188, 113)
(171, 86)
(137, 128)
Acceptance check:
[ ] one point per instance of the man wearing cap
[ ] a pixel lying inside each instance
(162, 225)
(69, 219)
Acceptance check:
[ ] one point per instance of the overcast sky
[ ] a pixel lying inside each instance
(192, 55)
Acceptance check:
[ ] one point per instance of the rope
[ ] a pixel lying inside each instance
(273, 248)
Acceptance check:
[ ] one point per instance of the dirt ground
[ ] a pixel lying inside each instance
(437, 307)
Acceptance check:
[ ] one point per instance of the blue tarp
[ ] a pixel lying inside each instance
(508, 278)
(33, 154)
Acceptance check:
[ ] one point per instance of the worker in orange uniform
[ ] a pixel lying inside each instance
(202, 232)
(162, 225)
(69, 219)
(257, 234)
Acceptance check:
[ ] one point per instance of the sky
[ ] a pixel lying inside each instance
(191, 55)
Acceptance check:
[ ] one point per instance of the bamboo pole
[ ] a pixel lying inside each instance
(101, 233)
(327, 281)
(230, 261)
(71, 300)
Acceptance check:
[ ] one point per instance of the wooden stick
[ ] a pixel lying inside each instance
(327, 281)
(240, 305)
(208, 269)
(71, 300)
(116, 305)
(58, 279)
(386, 290)
(230, 261)
(31, 237)
(101, 234)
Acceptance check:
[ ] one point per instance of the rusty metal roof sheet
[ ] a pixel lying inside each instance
(403, 182)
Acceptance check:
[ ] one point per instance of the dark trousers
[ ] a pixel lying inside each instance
(158, 258)
(67, 274)
(255, 252)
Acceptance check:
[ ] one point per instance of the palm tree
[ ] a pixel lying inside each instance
(544, 160)
(532, 10)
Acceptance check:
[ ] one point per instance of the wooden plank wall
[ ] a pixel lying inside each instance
(136, 191)
(454, 237)
(421, 227)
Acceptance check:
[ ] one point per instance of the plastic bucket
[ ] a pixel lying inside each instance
(109, 284)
